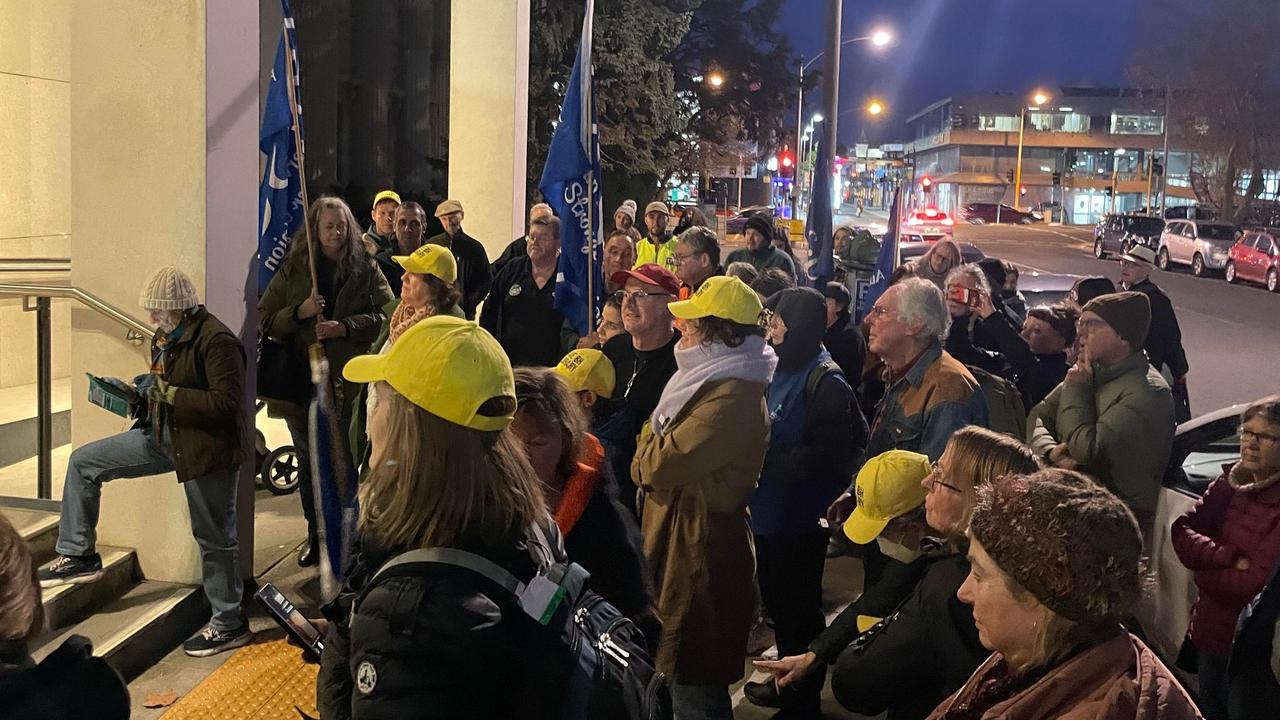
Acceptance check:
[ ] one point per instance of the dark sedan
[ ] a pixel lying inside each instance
(1115, 234)
(738, 223)
(982, 212)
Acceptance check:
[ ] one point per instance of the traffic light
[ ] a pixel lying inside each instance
(1157, 167)
(1107, 190)
(926, 183)
(1057, 178)
(1008, 174)
(787, 163)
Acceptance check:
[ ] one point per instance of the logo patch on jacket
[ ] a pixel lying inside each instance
(366, 677)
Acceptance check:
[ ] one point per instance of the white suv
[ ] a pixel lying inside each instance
(1202, 244)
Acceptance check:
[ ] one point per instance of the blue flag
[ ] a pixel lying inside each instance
(570, 184)
(817, 227)
(280, 196)
(885, 262)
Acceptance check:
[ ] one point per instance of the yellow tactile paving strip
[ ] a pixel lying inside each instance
(265, 681)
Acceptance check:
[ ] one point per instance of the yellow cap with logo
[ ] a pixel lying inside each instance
(391, 195)
(721, 296)
(888, 485)
(447, 366)
(430, 259)
(588, 369)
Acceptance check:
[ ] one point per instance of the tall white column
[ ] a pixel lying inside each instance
(489, 116)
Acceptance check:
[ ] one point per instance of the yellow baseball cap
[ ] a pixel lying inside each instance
(430, 259)
(447, 366)
(723, 297)
(888, 485)
(588, 370)
(386, 195)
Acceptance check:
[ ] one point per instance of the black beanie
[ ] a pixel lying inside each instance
(1089, 288)
(838, 292)
(993, 268)
(804, 311)
(760, 224)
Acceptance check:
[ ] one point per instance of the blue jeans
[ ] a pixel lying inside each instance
(701, 702)
(211, 500)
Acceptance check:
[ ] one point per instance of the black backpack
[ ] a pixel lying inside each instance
(611, 674)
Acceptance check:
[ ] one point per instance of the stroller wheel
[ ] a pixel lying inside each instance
(280, 470)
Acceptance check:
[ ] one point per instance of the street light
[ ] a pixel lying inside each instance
(880, 37)
(1040, 98)
(715, 80)
(875, 107)
(817, 118)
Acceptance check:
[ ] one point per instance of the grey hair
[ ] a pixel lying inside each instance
(972, 271)
(541, 207)
(920, 302)
(703, 240)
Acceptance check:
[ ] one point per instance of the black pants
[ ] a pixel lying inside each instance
(302, 445)
(790, 568)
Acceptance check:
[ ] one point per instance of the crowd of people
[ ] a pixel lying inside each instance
(721, 431)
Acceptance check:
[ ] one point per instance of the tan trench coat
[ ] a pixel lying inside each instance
(698, 479)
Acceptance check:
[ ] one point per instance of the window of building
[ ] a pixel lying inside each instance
(1136, 124)
(1071, 122)
(998, 123)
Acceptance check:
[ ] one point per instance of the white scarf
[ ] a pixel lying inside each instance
(752, 361)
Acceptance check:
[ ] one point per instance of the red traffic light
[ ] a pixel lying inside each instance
(786, 161)
(926, 183)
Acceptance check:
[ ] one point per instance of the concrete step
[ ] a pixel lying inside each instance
(39, 528)
(138, 628)
(68, 604)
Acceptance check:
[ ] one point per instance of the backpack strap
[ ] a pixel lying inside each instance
(819, 371)
(457, 558)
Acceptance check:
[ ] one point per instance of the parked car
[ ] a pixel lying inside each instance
(1256, 258)
(736, 224)
(1117, 232)
(1201, 446)
(983, 212)
(1188, 212)
(1041, 288)
(1202, 244)
(929, 223)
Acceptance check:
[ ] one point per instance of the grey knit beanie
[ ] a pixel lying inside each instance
(169, 289)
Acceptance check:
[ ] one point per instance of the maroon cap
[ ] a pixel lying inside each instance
(651, 274)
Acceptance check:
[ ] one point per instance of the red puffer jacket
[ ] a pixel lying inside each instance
(1238, 517)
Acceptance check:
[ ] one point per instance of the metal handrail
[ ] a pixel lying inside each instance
(137, 330)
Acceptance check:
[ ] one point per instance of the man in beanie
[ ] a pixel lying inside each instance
(191, 420)
(658, 246)
(1164, 339)
(760, 252)
(474, 274)
(843, 339)
(815, 432)
(624, 218)
(1112, 417)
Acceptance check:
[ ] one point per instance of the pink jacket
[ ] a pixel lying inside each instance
(1238, 517)
(1120, 679)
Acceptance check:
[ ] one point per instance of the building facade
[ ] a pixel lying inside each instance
(1098, 142)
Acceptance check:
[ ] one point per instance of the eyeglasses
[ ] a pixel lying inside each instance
(935, 476)
(682, 257)
(1248, 436)
(878, 311)
(637, 295)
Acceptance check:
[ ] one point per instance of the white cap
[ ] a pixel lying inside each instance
(169, 289)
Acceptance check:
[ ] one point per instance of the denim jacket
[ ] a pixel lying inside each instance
(921, 410)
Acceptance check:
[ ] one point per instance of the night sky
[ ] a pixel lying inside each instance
(946, 47)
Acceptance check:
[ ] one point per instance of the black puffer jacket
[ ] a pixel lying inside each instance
(68, 684)
(440, 643)
(921, 655)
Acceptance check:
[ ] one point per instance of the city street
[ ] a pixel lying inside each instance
(1230, 331)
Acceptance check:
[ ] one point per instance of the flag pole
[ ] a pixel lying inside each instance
(297, 146)
(591, 252)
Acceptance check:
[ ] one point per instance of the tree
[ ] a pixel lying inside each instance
(1223, 106)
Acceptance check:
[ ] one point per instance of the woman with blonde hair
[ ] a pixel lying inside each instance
(446, 471)
(1055, 566)
(940, 260)
(70, 682)
(343, 311)
(927, 647)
